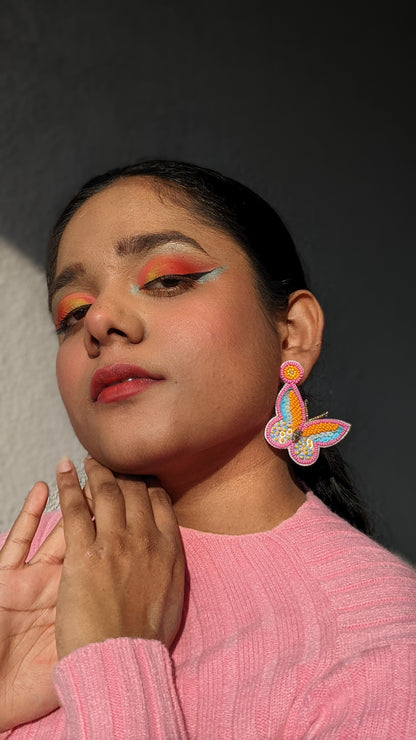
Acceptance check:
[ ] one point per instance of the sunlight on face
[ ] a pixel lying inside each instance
(147, 290)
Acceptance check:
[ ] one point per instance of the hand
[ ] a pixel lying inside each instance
(28, 593)
(123, 574)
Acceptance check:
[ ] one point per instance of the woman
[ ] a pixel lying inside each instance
(264, 614)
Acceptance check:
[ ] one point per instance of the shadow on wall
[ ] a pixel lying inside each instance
(35, 431)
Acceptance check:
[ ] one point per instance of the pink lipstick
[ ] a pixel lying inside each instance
(119, 382)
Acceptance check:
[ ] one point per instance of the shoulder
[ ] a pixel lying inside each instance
(370, 591)
(336, 547)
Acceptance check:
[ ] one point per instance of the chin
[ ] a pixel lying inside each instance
(128, 461)
(121, 466)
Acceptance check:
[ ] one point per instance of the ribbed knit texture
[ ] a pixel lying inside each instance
(305, 631)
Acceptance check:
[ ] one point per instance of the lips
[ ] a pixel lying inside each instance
(118, 382)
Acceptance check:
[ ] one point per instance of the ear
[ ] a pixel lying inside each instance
(301, 330)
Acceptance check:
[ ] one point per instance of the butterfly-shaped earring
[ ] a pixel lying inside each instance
(292, 429)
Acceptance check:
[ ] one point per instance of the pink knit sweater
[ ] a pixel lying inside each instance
(305, 631)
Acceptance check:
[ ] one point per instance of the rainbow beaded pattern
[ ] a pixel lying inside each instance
(291, 428)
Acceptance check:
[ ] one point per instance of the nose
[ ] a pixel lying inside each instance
(110, 320)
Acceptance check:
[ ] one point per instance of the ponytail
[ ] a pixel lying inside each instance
(329, 479)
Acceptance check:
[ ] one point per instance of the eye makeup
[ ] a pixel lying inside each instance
(165, 265)
(69, 304)
(212, 274)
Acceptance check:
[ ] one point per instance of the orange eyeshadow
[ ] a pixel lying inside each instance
(71, 303)
(170, 265)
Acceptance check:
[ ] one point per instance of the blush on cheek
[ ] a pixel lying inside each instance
(62, 372)
(68, 375)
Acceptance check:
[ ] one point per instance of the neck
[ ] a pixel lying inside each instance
(248, 493)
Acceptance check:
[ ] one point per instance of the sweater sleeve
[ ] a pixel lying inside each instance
(121, 688)
(372, 695)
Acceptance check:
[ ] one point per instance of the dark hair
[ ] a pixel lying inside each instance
(235, 209)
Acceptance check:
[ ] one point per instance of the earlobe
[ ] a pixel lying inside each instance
(301, 331)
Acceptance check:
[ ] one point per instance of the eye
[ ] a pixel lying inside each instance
(70, 320)
(171, 285)
(70, 310)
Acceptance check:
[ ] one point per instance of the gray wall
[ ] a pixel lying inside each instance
(311, 104)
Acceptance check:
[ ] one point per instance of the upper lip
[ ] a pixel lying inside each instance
(112, 374)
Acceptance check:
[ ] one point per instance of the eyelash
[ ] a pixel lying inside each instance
(64, 327)
(183, 283)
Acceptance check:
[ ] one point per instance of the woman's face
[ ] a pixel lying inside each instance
(166, 358)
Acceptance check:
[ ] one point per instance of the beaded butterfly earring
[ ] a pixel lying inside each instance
(292, 429)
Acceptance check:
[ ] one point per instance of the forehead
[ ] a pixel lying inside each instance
(136, 206)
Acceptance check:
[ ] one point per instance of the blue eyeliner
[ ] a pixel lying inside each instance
(212, 275)
(203, 277)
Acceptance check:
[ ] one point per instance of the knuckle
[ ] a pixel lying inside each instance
(107, 489)
(95, 554)
(28, 514)
(66, 484)
(119, 544)
(76, 508)
(20, 541)
(110, 545)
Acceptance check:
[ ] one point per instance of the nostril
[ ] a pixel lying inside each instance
(116, 331)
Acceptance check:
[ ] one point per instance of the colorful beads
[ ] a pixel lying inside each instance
(292, 429)
(291, 371)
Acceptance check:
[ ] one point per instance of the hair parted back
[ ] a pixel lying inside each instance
(238, 211)
(219, 201)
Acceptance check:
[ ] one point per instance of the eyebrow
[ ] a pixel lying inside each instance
(136, 244)
(66, 277)
(142, 243)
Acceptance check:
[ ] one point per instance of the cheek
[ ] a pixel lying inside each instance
(222, 340)
(201, 329)
(68, 372)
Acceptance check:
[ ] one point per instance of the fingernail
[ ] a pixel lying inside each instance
(88, 456)
(64, 465)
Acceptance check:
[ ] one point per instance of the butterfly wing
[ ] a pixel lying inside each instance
(290, 416)
(316, 434)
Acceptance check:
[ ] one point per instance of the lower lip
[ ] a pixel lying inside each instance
(124, 390)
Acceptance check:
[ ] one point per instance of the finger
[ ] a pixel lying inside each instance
(163, 512)
(52, 549)
(108, 500)
(88, 497)
(139, 510)
(16, 548)
(77, 522)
